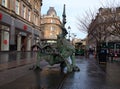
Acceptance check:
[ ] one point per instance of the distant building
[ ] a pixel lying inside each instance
(102, 27)
(19, 24)
(50, 26)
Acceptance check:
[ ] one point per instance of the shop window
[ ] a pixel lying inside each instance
(4, 38)
(6, 28)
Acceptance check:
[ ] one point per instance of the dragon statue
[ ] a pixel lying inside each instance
(62, 53)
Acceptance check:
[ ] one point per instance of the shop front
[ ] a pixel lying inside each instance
(16, 34)
(23, 39)
(4, 37)
(5, 27)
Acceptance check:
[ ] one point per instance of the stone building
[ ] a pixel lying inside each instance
(50, 26)
(19, 24)
(105, 27)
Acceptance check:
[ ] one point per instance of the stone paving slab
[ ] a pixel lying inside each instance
(12, 74)
(15, 64)
(91, 76)
(48, 78)
(94, 76)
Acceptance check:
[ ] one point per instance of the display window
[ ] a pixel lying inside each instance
(4, 37)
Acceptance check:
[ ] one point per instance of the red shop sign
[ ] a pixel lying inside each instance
(25, 27)
(1, 16)
(5, 42)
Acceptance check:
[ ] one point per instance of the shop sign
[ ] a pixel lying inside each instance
(5, 42)
(1, 16)
(25, 27)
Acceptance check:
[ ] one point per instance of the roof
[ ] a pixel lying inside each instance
(51, 11)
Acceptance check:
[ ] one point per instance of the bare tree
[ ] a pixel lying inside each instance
(94, 27)
(106, 25)
(100, 27)
(115, 22)
(114, 17)
(83, 23)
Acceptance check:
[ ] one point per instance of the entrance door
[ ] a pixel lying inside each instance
(23, 43)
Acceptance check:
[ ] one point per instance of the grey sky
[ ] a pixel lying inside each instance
(75, 8)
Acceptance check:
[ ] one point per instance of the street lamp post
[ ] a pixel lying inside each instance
(73, 38)
(69, 31)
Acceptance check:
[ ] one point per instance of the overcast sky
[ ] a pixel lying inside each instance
(75, 9)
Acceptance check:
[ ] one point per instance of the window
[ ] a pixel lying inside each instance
(113, 10)
(6, 28)
(35, 20)
(29, 1)
(29, 14)
(17, 7)
(52, 21)
(24, 11)
(4, 3)
(52, 28)
(36, 6)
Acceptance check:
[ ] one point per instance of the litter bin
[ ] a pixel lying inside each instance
(102, 56)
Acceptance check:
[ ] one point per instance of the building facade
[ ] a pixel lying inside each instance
(104, 31)
(105, 27)
(50, 26)
(19, 24)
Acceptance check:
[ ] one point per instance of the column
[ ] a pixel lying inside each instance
(12, 32)
(19, 42)
(33, 42)
(12, 35)
(29, 43)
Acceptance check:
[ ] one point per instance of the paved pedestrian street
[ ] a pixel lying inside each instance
(91, 76)
(94, 75)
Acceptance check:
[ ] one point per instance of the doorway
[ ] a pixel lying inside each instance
(23, 43)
